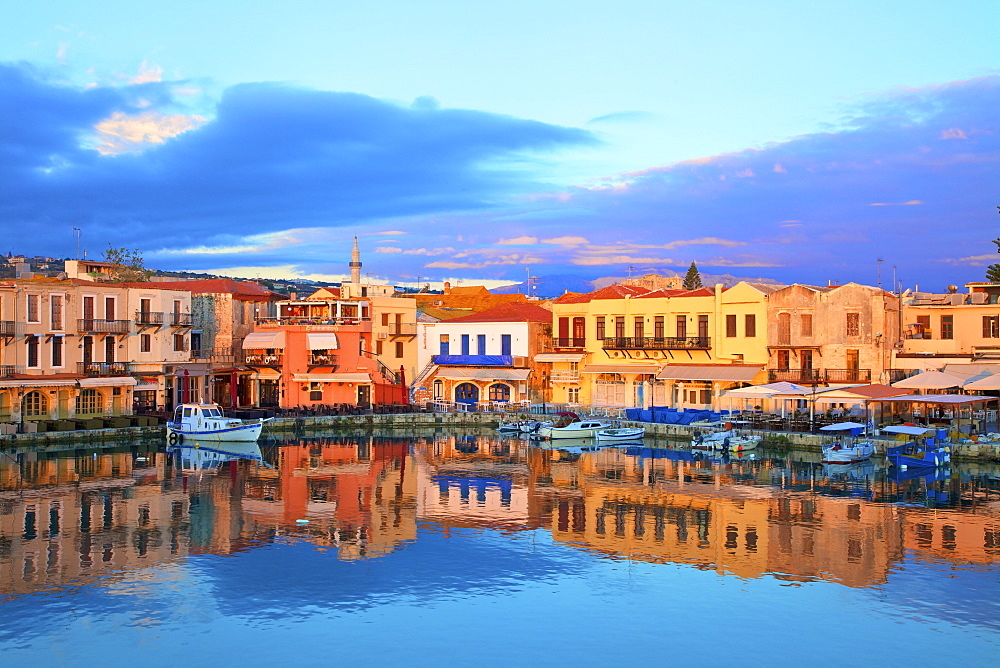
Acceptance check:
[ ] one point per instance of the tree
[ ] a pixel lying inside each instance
(993, 270)
(692, 280)
(129, 267)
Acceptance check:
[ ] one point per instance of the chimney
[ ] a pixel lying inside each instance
(292, 295)
(447, 287)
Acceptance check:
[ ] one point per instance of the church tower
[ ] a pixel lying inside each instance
(355, 263)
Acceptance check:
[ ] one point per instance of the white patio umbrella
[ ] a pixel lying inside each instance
(991, 382)
(930, 380)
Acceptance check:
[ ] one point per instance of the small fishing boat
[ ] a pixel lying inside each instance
(618, 433)
(519, 427)
(846, 443)
(734, 436)
(570, 425)
(918, 452)
(205, 422)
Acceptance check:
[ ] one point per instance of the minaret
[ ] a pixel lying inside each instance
(355, 263)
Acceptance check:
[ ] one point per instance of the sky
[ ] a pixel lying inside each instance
(481, 143)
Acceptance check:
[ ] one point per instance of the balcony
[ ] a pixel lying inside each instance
(10, 370)
(569, 343)
(264, 359)
(180, 319)
(147, 319)
(104, 369)
(8, 328)
(801, 376)
(565, 376)
(657, 343)
(848, 375)
(95, 326)
(310, 320)
(214, 355)
(403, 329)
(321, 359)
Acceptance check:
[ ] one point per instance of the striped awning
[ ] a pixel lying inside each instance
(321, 341)
(264, 340)
(731, 373)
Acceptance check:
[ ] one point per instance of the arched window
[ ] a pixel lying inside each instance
(89, 401)
(466, 393)
(499, 392)
(438, 389)
(35, 404)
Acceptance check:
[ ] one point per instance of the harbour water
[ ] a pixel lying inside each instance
(468, 548)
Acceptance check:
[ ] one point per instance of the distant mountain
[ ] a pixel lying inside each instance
(548, 287)
(706, 280)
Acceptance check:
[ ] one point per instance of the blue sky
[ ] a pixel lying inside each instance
(470, 141)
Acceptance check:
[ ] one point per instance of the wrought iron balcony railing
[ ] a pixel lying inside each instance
(8, 370)
(322, 359)
(848, 375)
(100, 326)
(180, 319)
(800, 376)
(8, 328)
(569, 343)
(143, 318)
(655, 343)
(100, 369)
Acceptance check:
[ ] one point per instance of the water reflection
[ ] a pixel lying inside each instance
(68, 518)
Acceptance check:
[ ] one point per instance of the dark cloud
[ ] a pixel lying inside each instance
(274, 157)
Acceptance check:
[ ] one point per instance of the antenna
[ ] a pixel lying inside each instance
(879, 274)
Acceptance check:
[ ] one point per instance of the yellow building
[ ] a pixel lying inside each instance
(627, 346)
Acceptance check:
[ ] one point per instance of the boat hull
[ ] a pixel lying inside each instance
(548, 432)
(623, 434)
(848, 454)
(244, 432)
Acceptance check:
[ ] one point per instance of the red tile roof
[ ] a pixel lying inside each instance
(509, 313)
(616, 291)
(239, 289)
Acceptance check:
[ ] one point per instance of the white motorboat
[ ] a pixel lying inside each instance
(733, 436)
(205, 422)
(570, 425)
(621, 434)
(847, 443)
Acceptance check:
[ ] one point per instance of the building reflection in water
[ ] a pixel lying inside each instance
(68, 519)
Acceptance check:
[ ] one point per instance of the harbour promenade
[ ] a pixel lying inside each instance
(420, 420)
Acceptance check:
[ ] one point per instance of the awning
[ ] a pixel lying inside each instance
(482, 374)
(930, 380)
(642, 369)
(560, 357)
(321, 341)
(111, 381)
(356, 377)
(722, 372)
(953, 399)
(264, 340)
(267, 374)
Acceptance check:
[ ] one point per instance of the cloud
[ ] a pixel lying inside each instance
(396, 233)
(122, 134)
(566, 241)
(518, 241)
(624, 259)
(623, 117)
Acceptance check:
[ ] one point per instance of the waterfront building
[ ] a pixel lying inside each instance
(484, 358)
(454, 302)
(394, 324)
(318, 352)
(628, 346)
(832, 335)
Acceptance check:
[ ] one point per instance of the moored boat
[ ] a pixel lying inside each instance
(918, 452)
(205, 422)
(621, 434)
(734, 436)
(846, 443)
(570, 425)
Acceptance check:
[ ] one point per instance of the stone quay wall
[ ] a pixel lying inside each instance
(302, 426)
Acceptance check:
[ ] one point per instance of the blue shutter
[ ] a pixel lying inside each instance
(481, 344)
(505, 344)
(465, 344)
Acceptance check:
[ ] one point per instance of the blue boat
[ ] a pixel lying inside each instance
(920, 451)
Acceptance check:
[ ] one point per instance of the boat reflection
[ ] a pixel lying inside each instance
(196, 456)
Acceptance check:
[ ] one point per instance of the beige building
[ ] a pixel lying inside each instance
(832, 335)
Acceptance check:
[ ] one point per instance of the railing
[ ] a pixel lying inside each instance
(259, 359)
(148, 318)
(894, 375)
(222, 355)
(180, 319)
(97, 326)
(654, 343)
(387, 373)
(848, 375)
(305, 320)
(322, 359)
(563, 376)
(569, 343)
(8, 328)
(8, 370)
(403, 329)
(795, 375)
(95, 369)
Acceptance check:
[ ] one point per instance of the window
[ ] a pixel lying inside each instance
(399, 349)
(465, 344)
(315, 391)
(444, 345)
(658, 327)
(179, 343)
(991, 326)
(385, 319)
(499, 392)
(438, 389)
(783, 360)
(620, 326)
(378, 347)
(35, 404)
(89, 401)
(639, 327)
(702, 326)
(750, 326)
(706, 396)
(109, 349)
(599, 327)
(806, 324)
(195, 340)
(579, 331)
(109, 308)
(32, 343)
(682, 327)
(56, 311)
(573, 395)
(57, 351)
(145, 343)
(505, 344)
(480, 344)
(563, 328)
(947, 327)
(33, 308)
(853, 324)
(730, 326)
(784, 329)
(923, 329)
